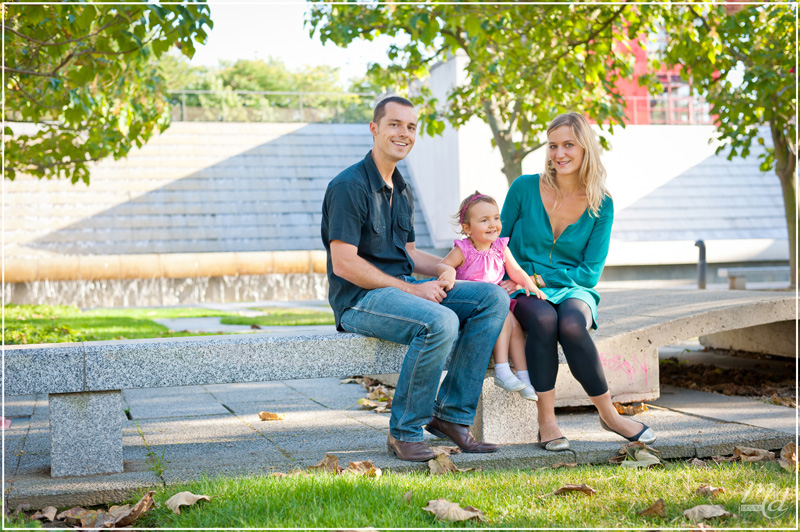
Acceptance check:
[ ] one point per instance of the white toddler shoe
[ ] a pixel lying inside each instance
(510, 384)
(529, 393)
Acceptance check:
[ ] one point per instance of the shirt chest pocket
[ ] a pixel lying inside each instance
(374, 236)
(402, 227)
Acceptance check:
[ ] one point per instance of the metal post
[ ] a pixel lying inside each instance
(183, 107)
(701, 265)
(300, 101)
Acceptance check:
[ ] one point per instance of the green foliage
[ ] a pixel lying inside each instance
(86, 76)
(756, 43)
(508, 499)
(525, 63)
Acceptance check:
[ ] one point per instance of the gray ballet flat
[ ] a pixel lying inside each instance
(529, 393)
(558, 444)
(646, 435)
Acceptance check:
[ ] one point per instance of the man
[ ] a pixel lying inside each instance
(368, 232)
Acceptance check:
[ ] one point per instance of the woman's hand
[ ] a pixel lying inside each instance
(532, 290)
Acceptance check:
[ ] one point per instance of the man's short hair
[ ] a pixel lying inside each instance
(380, 109)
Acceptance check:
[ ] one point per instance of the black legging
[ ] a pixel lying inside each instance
(567, 323)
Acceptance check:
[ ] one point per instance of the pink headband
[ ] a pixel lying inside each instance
(470, 202)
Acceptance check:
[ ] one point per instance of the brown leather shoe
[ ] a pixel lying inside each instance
(410, 451)
(460, 435)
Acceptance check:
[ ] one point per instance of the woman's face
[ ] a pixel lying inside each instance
(564, 151)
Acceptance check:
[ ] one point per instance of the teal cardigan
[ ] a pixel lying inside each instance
(570, 265)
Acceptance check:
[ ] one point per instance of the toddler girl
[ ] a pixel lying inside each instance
(483, 256)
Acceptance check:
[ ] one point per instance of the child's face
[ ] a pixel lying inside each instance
(484, 225)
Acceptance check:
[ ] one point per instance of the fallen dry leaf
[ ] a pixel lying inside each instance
(642, 458)
(408, 497)
(705, 511)
(697, 463)
(145, 504)
(445, 510)
(631, 409)
(48, 513)
(751, 454)
(269, 416)
(380, 392)
(722, 459)
(569, 488)
(367, 403)
(441, 465)
(291, 473)
(349, 380)
(184, 498)
(74, 516)
(657, 509)
(446, 450)
(788, 459)
(365, 469)
(329, 464)
(564, 464)
(707, 489)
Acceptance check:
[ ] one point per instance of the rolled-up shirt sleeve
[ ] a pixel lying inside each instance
(347, 211)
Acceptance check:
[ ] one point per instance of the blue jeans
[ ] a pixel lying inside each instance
(467, 323)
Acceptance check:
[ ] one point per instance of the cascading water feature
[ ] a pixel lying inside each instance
(169, 292)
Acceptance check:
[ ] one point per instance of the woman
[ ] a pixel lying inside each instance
(559, 227)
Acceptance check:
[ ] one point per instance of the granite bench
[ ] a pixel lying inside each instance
(84, 381)
(737, 277)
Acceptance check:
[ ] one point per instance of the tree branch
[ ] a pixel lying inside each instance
(31, 97)
(44, 43)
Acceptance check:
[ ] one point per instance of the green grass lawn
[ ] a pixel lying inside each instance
(43, 324)
(508, 499)
(276, 316)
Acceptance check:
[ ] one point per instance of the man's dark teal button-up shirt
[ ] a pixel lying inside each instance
(357, 210)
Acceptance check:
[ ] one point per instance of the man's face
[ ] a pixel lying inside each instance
(394, 133)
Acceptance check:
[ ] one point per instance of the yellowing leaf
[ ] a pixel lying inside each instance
(697, 463)
(788, 459)
(751, 454)
(656, 509)
(329, 464)
(707, 489)
(365, 469)
(48, 513)
(445, 510)
(705, 511)
(631, 409)
(269, 416)
(184, 498)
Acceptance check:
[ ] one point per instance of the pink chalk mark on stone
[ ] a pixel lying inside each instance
(614, 362)
(6, 422)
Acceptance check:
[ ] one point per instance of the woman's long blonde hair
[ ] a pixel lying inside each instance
(592, 175)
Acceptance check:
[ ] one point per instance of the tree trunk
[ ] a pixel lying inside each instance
(786, 168)
(789, 189)
(512, 160)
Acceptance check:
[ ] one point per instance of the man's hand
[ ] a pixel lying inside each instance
(431, 290)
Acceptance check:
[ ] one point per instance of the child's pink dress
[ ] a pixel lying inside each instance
(487, 266)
